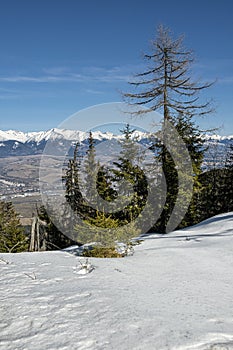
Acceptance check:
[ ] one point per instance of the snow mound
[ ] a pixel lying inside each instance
(174, 293)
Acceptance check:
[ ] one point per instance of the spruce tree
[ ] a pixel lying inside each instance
(127, 169)
(228, 180)
(87, 186)
(217, 194)
(90, 169)
(12, 237)
(104, 184)
(194, 142)
(71, 181)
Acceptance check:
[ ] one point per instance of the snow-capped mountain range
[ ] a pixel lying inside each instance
(52, 134)
(56, 134)
(17, 143)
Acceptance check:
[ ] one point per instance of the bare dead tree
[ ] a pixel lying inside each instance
(38, 237)
(166, 86)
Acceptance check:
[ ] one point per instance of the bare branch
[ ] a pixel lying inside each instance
(169, 79)
(32, 276)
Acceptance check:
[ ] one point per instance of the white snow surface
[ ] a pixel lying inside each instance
(175, 292)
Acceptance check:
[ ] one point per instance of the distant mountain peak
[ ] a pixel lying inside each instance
(56, 134)
(13, 142)
(218, 137)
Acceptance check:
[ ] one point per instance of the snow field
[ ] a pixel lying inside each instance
(174, 293)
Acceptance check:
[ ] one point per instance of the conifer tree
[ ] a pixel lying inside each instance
(229, 157)
(12, 237)
(127, 169)
(71, 181)
(217, 195)
(228, 180)
(166, 87)
(84, 196)
(90, 168)
(104, 184)
(194, 142)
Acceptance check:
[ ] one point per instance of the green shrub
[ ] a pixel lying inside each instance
(102, 252)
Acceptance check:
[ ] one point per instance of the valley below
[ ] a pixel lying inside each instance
(21, 166)
(19, 183)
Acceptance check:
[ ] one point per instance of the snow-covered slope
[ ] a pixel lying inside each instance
(175, 292)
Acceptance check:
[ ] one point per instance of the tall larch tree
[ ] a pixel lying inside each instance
(167, 87)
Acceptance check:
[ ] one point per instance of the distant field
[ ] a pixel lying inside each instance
(24, 169)
(19, 176)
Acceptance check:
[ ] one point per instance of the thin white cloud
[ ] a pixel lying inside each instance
(8, 97)
(94, 92)
(56, 70)
(86, 74)
(226, 80)
(6, 94)
(33, 79)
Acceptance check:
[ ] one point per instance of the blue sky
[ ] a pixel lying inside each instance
(58, 57)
